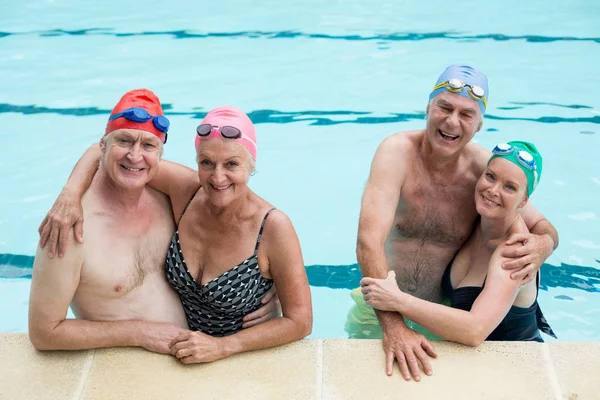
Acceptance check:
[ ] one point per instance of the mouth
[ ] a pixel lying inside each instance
(132, 169)
(489, 202)
(220, 188)
(447, 136)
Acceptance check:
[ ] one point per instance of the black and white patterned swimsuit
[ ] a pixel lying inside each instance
(217, 307)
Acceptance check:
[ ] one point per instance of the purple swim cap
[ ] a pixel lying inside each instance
(474, 81)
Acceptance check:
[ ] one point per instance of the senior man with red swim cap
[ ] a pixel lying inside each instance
(114, 282)
(418, 209)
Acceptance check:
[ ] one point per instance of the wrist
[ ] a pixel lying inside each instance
(229, 345)
(72, 192)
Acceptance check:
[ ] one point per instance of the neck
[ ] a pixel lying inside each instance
(436, 163)
(495, 230)
(231, 211)
(114, 196)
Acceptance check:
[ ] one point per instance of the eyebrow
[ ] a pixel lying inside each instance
(450, 105)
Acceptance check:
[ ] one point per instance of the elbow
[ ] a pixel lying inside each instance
(39, 340)
(475, 337)
(305, 326)
(364, 247)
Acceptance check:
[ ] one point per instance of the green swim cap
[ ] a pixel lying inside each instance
(525, 156)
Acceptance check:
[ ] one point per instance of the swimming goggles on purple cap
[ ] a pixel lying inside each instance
(456, 86)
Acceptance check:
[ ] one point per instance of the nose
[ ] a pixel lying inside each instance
(453, 119)
(135, 153)
(218, 176)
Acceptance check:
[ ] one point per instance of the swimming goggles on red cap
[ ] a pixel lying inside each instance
(138, 114)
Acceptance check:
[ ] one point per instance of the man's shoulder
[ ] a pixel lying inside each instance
(478, 156)
(403, 142)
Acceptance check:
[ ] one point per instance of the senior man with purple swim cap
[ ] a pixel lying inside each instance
(418, 209)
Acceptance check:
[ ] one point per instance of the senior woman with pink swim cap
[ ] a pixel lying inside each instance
(230, 247)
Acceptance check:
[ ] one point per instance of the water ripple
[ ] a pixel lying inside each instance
(291, 34)
(316, 117)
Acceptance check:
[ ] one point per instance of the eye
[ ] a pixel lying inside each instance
(511, 188)
(149, 146)
(205, 163)
(232, 164)
(123, 141)
(489, 176)
(467, 117)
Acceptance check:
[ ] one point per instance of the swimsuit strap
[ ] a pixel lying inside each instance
(186, 206)
(262, 225)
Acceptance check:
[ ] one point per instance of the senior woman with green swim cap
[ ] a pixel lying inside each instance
(486, 304)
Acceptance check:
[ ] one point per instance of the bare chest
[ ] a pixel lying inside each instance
(120, 256)
(436, 213)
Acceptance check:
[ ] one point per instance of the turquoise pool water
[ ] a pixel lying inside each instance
(325, 82)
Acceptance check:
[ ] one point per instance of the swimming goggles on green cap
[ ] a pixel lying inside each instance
(522, 158)
(456, 86)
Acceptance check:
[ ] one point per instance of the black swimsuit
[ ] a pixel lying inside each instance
(519, 324)
(217, 307)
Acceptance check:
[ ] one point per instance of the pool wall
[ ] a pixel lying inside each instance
(308, 369)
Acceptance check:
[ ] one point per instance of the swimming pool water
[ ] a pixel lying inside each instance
(325, 82)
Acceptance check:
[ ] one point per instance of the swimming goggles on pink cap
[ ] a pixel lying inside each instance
(228, 132)
(456, 85)
(138, 114)
(523, 157)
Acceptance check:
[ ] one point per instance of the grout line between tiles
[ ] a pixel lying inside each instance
(551, 371)
(85, 373)
(319, 395)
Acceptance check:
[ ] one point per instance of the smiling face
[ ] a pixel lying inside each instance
(224, 167)
(452, 121)
(501, 190)
(130, 157)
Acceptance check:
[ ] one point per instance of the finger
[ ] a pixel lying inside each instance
(515, 238)
(366, 281)
(389, 362)
(78, 230)
(392, 274)
(261, 312)
(424, 360)
(528, 278)
(268, 296)
(52, 242)
(428, 347)
(403, 366)
(413, 365)
(517, 263)
(63, 240)
(45, 235)
(254, 322)
(518, 275)
(180, 338)
(366, 289)
(183, 353)
(188, 360)
(43, 224)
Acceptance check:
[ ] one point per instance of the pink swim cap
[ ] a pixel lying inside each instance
(230, 116)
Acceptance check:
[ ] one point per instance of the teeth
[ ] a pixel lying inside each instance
(448, 136)
(132, 169)
(489, 202)
(221, 188)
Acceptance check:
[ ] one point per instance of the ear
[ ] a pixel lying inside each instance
(524, 202)
(480, 123)
(102, 145)
(427, 110)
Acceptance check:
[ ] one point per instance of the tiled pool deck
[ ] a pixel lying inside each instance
(309, 369)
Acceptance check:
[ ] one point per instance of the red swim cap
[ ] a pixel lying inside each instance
(142, 98)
